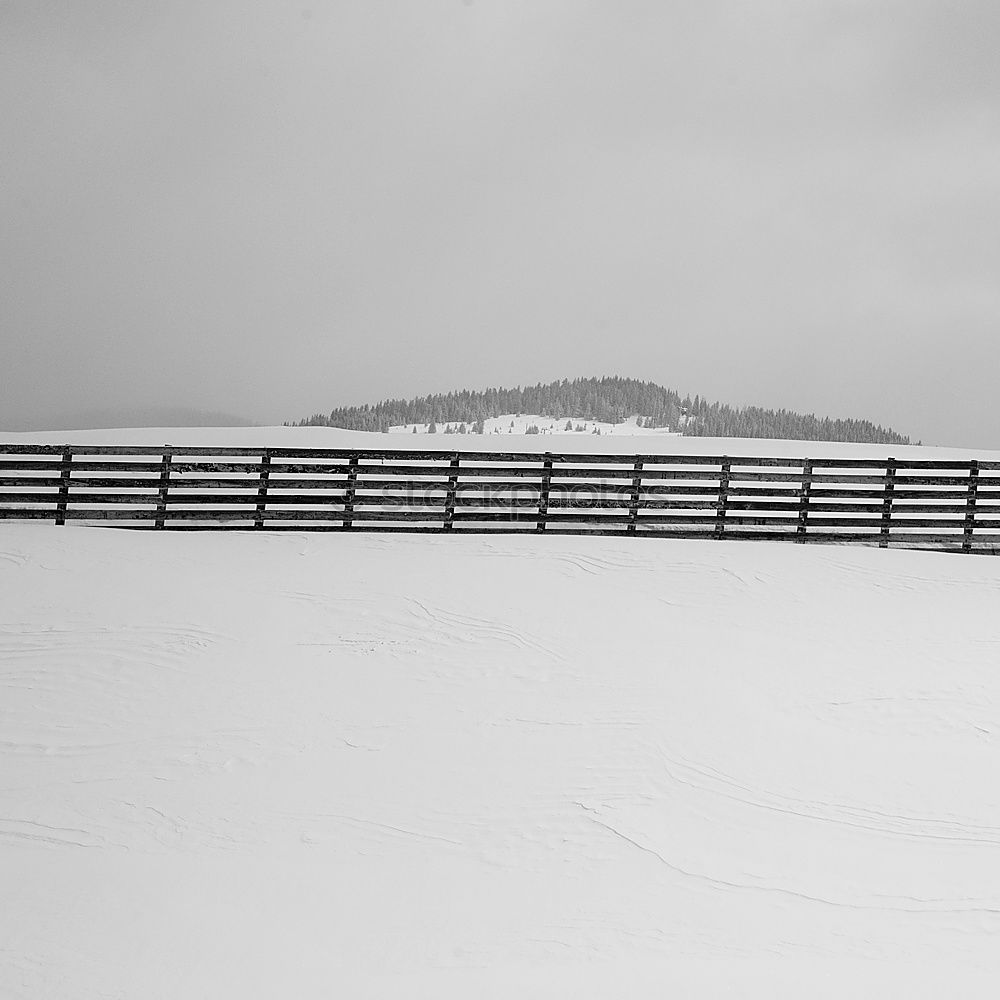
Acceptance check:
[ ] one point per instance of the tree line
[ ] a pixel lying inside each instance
(610, 399)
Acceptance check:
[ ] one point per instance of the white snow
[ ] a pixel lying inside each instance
(259, 765)
(646, 442)
(518, 423)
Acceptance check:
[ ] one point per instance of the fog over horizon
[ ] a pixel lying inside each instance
(268, 210)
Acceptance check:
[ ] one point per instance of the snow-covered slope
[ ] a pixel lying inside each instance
(518, 423)
(250, 766)
(646, 442)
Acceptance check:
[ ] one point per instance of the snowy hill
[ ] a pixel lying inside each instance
(261, 765)
(606, 398)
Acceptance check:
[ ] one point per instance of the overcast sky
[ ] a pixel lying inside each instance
(271, 209)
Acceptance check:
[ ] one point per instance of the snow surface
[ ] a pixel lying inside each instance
(259, 765)
(518, 423)
(646, 442)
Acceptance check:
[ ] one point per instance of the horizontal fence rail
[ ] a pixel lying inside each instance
(953, 505)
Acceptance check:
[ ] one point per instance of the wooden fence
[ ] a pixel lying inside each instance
(919, 504)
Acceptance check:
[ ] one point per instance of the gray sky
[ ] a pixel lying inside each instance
(271, 209)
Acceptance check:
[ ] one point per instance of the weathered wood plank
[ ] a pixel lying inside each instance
(235, 506)
(146, 516)
(82, 465)
(898, 494)
(46, 466)
(9, 482)
(879, 463)
(75, 499)
(182, 469)
(472, 455)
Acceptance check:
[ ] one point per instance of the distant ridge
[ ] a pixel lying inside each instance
(136, 416)
(609, 399)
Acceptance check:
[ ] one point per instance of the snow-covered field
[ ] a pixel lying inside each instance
(261, 765)
(518, 423)
(650, 442)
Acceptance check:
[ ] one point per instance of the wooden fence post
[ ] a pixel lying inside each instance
(970, 506)
(633, 507)
(64, 487)
(161, 507)
(265, 471)
(449, 500)
(723, 503)
(890, 482)
(543, 494)
(352, 478)
(807, 473)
